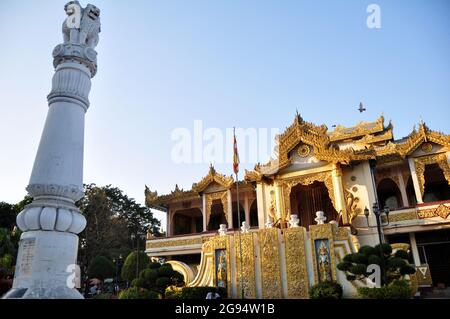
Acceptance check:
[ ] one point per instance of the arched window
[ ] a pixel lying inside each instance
(436, 186)
(388, 194)
(217, 216)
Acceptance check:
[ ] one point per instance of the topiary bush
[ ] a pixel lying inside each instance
(326, 290)
(399, 289)
(393, 266)
(138, 293)
(129, 266)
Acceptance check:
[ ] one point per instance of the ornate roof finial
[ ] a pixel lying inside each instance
(212, 170)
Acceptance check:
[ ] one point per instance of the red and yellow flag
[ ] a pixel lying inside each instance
(236, 155)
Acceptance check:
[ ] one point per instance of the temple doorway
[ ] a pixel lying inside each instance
(217, 216)
(306, 200)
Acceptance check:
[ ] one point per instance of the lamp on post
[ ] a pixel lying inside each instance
(138, 237)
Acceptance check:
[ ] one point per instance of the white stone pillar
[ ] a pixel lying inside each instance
(205, 226)
(247, 209)
(336, 175)
(414, 250)
(230, 210)
(417, 191)
(260, 204)
(47, 256)
(402, 186)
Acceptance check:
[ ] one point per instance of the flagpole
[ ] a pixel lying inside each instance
(236, 171)
(239, 231)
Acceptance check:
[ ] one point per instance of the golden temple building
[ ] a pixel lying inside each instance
(310, 206)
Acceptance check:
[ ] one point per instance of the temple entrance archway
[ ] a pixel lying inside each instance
(217, 215)
(306, 200)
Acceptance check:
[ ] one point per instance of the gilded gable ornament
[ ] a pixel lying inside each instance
(303, 151)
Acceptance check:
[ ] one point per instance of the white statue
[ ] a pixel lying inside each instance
(81, 26)
(269, 223)
(320, 219)
(245, 227)
(294, 221)
(222, 229)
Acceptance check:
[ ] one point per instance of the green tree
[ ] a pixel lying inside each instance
(8, 251)
(101, 267)
(158, 277)
(111, 219)
(129, 267)
(8, 215)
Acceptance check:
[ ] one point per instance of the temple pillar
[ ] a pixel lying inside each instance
(415, 180)
(230, 210)
(402, 186)
(260, 202)
(205, 226)
(280, 201)
(414, 250)
(247, 209)
(339, 198)
(169, 222)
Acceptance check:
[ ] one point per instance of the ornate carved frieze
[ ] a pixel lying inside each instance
(72, 192)
(296, 269)
(270, 263)
(245, 249)
(162, 242)
(442, 211)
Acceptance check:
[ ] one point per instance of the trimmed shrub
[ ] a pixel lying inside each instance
(398, 289)
(129, 266)
(326, 290)
(138, 293)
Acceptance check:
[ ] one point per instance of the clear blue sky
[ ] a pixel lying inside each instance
(164, 64)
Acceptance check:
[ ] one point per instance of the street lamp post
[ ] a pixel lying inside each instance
(138, 237)
(378, 213)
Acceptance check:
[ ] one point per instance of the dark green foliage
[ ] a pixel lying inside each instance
(398, 289)
(374, 259)
(111, 219)
(158, 277)
(201, 292)
(101, 267)
(174, 294)
(344, 265)
(367, 250)
(326, 290)
(138, 293)
(401, 254)
(137, 282)
(387, 249)
(358, 269)
(359, 258)
(393, 266)
(129, 266)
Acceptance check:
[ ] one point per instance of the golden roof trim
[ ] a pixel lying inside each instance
(361, 129)
(213, 177)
